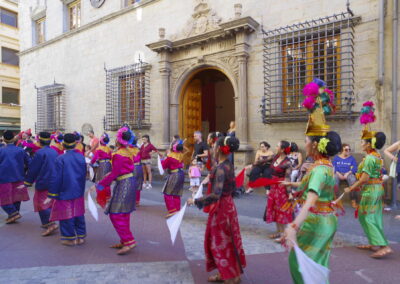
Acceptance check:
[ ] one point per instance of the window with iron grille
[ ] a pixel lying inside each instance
(127, 95)
(51, 108)
(294, 55)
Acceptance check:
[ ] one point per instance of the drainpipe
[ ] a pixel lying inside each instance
(395, 31)
(381, 36)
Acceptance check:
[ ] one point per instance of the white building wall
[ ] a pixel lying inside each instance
(78, 59)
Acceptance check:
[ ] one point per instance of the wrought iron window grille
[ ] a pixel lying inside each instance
(127, 97)
(295, 54)
(51, 109)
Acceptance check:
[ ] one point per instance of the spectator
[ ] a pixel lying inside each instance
(296, 159)
(146, 150)
(345, 166)
(392, 152)
(232, 132)
(200, 151)
(93, 142)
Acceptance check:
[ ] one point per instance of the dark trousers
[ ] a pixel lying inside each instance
(12, 209)
(73, 228)
(45, 216)
(260, 171)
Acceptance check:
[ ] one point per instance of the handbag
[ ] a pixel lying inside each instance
(393, 168)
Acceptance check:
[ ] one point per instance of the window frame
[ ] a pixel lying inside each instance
(38, 23)
(2, 95)
(78, 6)
(2, 57)
(12, 12)
(51, 110)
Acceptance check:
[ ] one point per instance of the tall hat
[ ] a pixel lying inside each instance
(367, 117)
(104, 139)
(319, 102)
(44, 136)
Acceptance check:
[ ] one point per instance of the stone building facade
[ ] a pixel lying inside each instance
(171, 67)
(9, 66)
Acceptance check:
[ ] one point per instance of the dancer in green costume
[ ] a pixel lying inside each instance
(370, 210)
(315, 226)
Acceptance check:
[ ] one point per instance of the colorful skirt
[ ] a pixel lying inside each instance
(370, 214)
(123, 199)
(174, 183)
(314, 238)
(13, 192)
(276, 211)
(223, 241)
(67, 209)
(103, 169)
(138, 173)
(38, 200)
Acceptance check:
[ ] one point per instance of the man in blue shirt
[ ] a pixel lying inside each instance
(67, 188)
(40, 172)
(345, 167)
(12, 189)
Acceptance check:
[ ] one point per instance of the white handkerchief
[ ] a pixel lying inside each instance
(199, 193)
(174, 222)
(93, 208)
(312, 272)
(160, 168)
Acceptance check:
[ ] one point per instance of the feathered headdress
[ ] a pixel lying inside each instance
(367, 117)
(103, 137)
(319, 102)
(120, 133)
(177, 142)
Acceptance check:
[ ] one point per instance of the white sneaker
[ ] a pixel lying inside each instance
(149, 186)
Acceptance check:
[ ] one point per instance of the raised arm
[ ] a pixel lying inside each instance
(389, 151)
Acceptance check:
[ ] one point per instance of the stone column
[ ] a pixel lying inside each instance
(242, 114)
(165, 125)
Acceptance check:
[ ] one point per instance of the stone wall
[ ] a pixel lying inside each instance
(77, 59)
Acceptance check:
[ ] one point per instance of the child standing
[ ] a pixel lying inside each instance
(67, 188)
(194, 175)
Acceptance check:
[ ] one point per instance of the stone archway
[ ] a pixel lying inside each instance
(205, 42)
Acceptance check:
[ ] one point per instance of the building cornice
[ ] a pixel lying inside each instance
(225, 30)
(88, 26)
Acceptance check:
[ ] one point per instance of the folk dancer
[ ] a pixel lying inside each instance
(223, 241)
(138, 167)
(102, 156)
(67, 189)
(173, 188)
(13, 161)
(58, 145)
(122, 202)
(314, 227)
(369, 179)
(40, 172)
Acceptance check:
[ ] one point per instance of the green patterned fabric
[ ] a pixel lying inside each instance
(370, 210)
(316, 233)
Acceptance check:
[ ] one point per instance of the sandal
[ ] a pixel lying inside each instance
(215, 278)
(366, 247)
(13, 219)
(275, 236)
(50, 230)
(382, 252)
(125, 249)
(68, 243)
(79, 242)
(117, 246)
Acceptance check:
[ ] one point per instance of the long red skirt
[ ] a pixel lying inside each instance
(223, 242)
(277, 198)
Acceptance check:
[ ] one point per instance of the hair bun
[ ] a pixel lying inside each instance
(380, 140)
(335, 144)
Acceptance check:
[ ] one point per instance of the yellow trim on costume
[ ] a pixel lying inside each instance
(133, 151)
(175, 171)
(105, 149)
(124, 176)
(68, 238)
(176, 156)
(69, 144)
(52, 194)
(123, 152)
(137, 164)
(104, 160)
(44, 139)
(27, 183)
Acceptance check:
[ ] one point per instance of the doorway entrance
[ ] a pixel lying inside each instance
(207, 104)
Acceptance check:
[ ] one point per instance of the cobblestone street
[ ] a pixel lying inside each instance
(31, 258)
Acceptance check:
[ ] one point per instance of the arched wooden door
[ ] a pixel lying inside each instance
(191, 115)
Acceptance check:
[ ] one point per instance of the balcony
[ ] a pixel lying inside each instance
(10, 117)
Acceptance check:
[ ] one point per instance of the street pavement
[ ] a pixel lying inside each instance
(29, 258)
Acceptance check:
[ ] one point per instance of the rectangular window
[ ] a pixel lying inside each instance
(295, 55)
(8, 17)
(40, 30)
(10, 96)
(51, 108)
(9, 56)
(74, 15)
(127, 95)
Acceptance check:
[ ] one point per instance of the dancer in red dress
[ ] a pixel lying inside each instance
(279, 195)
(223, 242)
